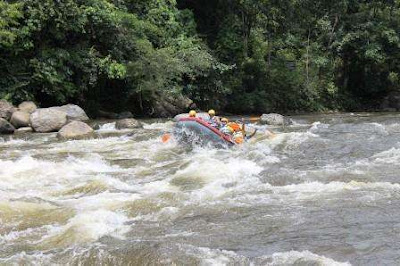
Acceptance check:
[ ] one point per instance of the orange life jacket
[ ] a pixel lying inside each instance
(234, 126)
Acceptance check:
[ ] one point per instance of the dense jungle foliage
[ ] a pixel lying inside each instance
(241, 56)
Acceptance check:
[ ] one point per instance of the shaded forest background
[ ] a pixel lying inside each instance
(241, 56)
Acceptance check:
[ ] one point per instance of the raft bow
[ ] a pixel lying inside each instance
(196, 130)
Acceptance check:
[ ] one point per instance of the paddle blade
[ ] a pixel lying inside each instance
(165, 138)
(270, 134)
(254, 119)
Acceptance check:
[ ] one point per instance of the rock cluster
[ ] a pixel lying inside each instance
(28, 118)
(66, 120)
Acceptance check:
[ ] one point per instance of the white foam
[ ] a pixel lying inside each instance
(318, 125)
(105, 200)
(14, 142)
(294, 139)
(159, 125)
(90, 226)
(215, 173)
(108, 127)
(303, 257)
(390, 157)
(32, 176)
(22, 258)
(213, 257)
(266, 194)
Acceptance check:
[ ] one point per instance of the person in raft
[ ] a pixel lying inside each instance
(232, 129)
(213, 120)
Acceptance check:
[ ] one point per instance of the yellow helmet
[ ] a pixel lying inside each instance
(224, 119)
(192, 113)
(211, 112)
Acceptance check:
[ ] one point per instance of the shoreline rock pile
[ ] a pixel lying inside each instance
(27, 117)
(68, 120)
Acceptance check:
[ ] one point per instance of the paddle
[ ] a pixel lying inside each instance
(270, 134)
(252, 134)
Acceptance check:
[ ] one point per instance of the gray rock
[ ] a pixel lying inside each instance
(5, 127)
(6, 109)
(23, 130)
(389, 109)
(170, 105)
(27, 106)
(202, 115)
(73, 112)
(75, 130)
(48, 119)
(20, 119)
(109, 115)
(126, 114)
(275, 119)
(127, 123)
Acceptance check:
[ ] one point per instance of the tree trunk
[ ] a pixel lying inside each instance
(246, 29)
(308, 57)
(333, 29)
(245, 37)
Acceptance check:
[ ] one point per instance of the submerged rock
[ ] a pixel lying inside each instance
(23, 130)
(20, 119)
(127, 123)
(48, 120)
(75, 130)
(5, 127)
(275, 119)
(6, 109)
(27, 106)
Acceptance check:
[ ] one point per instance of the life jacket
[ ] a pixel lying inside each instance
(235, 126)
(238, 137)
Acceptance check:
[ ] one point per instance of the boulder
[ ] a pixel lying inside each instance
(391, 102)
(48, 119)
(23, 130)
(75, 130)
(125, 114)
(6, 109)
(110, 115)
(127, 123)
(5, 127)
(20, 119)
(202, 115)
(27, 106)
(170, 105)
(275, 119)
(73, 112)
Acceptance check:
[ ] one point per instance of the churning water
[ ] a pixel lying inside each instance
(325, 191)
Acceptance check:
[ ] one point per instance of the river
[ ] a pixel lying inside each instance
(324, 191)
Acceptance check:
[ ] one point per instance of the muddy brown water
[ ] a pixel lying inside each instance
(324, 191)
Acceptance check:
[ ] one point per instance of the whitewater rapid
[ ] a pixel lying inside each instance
(324, 191)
